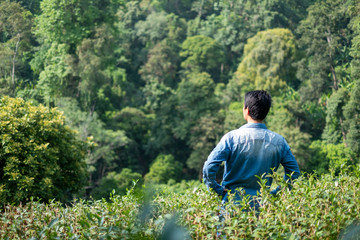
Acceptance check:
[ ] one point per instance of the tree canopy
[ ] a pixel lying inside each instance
(147, 80)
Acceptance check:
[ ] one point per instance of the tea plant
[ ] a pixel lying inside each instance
(317, 207)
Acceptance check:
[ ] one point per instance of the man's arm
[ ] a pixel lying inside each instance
(290, 165)
(220, 153)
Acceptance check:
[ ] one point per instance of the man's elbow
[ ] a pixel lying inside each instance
(296, 174)
(207, 169)
(292, 175)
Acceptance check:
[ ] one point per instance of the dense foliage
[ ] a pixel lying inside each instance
(40, 156)
(323, 207)
(150, 78)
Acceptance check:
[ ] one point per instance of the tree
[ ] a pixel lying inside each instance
(70, 21)
(119, 182)
(33, 5)
(354, 12)
(233, 22)
(312, 117)
(352, 120)
(267, 64)
(203, 54)
(231, 30)
(162, 65)
(15, 35)
(327, 156)
(76, 57)
(133, 51)
(161, 35)
(163, 169)
(162, 103)
(51, 84)
(203, 8)
(328, 38)
(283, 121)
(136, 126)
(179, 7)
(197, 120)
(234, 116)
(204, 136)
(40, 156)
(103, 155)
(195, 99)
(154, 29)
(334, 131)
(94, 65)
(352, 107)
(325, 38)
(275, 13)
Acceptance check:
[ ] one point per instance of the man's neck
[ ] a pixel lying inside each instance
(250, 120)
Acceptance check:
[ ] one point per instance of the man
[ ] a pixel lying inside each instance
(250, 151)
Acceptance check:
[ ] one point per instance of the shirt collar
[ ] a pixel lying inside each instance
(254, 125)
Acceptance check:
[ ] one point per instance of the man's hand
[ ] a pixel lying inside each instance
(224, 192)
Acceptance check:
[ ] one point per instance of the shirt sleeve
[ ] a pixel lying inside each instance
(220, 153)
(290, 164)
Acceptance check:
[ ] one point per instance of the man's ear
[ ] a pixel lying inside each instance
(245, 112)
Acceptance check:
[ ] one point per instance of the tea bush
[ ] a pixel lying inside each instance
(318, 207)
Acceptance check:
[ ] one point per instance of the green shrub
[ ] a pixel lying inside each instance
(163, 169)
(39, 155)
(172, 186)
(119, 182)
(325, 156)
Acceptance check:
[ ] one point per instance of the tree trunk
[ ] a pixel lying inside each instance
(332, 70)
(335, 81)
(13, 62)
(343, 131)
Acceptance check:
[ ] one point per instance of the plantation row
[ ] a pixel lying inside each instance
(326, 207)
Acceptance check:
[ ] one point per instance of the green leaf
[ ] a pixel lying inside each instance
(53, 222)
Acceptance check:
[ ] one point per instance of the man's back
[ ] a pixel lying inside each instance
(250, 151)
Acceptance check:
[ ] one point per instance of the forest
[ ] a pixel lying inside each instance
(148, 87)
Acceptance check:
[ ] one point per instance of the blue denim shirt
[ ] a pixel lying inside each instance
(249, 151)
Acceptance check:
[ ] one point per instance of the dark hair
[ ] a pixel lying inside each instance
(258, 102)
